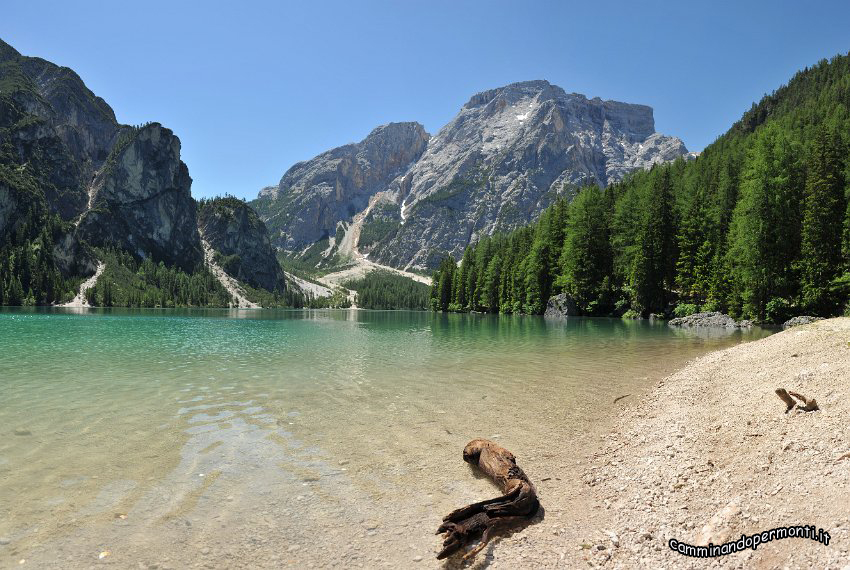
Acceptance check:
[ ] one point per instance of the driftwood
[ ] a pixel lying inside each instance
(808, 404)
(518, 502)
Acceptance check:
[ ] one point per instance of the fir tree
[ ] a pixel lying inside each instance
(822, 224)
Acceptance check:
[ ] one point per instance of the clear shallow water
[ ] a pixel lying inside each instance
(269, 438)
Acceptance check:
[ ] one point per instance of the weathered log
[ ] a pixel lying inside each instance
(518, 502)
(809, 404)
(789, 401)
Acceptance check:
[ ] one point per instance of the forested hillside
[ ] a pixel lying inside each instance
(757, 226)
(387, 290)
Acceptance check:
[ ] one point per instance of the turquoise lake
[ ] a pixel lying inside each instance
(268, 438)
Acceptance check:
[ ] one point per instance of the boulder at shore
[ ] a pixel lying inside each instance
(561, 306)
(801, 320)
(714, 319)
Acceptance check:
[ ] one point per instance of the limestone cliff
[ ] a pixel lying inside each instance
(315, 195)
(505, 157)
(234, 231)
(141, 200)
(502, 160)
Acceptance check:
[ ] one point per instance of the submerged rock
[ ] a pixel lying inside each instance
(801, 320)
(561, 306)
(713, 319)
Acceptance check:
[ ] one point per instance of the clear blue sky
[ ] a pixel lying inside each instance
(252, 87)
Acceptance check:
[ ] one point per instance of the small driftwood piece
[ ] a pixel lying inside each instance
(789, 401)
(808, 404)
(517, 503)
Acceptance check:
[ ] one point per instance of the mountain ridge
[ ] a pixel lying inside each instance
(506, 155)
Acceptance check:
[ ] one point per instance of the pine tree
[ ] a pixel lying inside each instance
(764, 239)
(822, 224)
(692, 251)
(653, 270)
(586, 259)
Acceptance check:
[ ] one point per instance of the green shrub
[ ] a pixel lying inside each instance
(686, 309)
(779, 310)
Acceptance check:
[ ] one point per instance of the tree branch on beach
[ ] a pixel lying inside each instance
(808, 404)
(517, 503)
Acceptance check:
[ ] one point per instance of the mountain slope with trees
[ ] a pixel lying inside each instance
(757, 226)
(78, 188)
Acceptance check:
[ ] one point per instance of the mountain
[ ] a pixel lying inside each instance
(757, 226)
(235, 231)
(314, 196)
(141, 200)
(75, 183)
(497, 165)
(55, 126)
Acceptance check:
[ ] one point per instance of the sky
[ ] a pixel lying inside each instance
(252, 87)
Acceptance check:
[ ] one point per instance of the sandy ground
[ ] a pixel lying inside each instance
(710, 454)
(80, 300)
(229, 283)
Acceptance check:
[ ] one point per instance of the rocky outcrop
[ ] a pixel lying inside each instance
(315, 195)
(506, 156)
(235, 232)
(62, 151)
(57, 127)
(801, 320)
(561, 306)
(496, 166)
(713, 319)
(141, 200)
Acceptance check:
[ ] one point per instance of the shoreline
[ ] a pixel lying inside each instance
(709, 454)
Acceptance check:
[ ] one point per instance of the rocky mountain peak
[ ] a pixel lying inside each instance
(315, 195)
(142, 201)
(507, 154)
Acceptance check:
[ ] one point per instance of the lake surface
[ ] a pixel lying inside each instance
(289, 438)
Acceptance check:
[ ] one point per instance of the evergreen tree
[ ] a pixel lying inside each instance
(764, 237)
(822, 224)
(586, 259)
(653, 267)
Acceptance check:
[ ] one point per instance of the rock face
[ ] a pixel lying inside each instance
(57, 127)
(315, 195)
(120, 185)
(801, 320)
(233, 230)
(141, 200)
(561, 306)
(715, 319)
(503, 159)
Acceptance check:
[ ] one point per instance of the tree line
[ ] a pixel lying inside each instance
(757, 226)
(387, 290)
